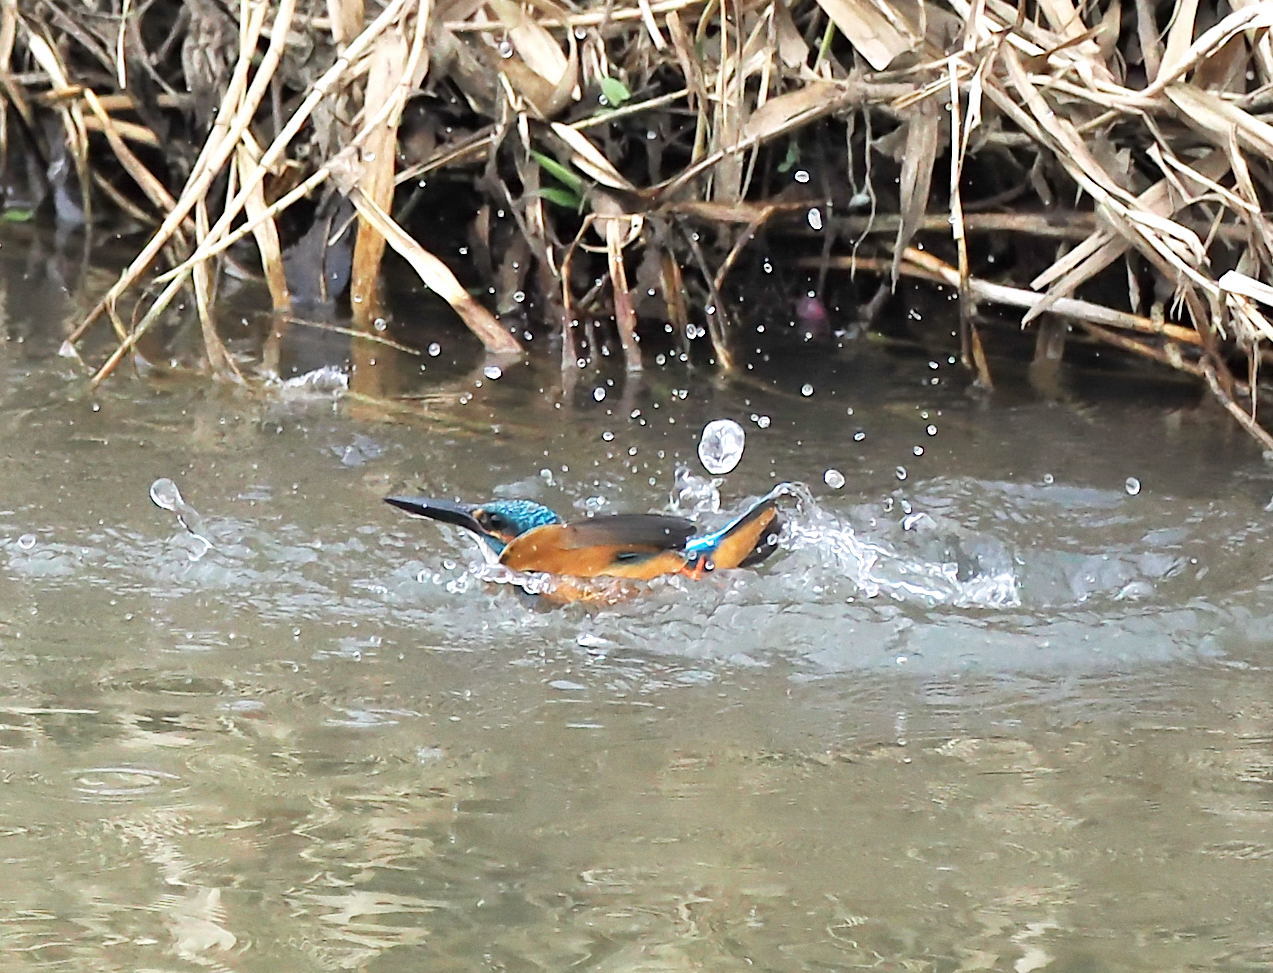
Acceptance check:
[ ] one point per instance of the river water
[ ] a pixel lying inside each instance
(1002, 701)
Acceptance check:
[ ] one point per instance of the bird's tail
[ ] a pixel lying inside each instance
(746, 540)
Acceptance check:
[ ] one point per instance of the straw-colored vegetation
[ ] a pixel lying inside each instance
(640, 151)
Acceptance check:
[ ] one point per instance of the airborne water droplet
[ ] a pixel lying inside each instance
(833, 478)
(720, 446)
(435, 349)
(493, 372)
(1133, 486)
(165, 495)
(806, 390)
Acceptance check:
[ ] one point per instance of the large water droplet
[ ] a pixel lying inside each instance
(165, 495)
(806, 390)
(721, 446)
(1133, 486)
(833, 478)
(493, 372)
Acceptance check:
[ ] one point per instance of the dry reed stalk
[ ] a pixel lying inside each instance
(388, 57)
(1154, 125)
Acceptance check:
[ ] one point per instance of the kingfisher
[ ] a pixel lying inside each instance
(526, 536)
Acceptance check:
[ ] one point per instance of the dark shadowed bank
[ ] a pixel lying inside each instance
(698, 179)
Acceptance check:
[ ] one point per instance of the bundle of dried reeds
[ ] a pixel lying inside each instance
(637, 151)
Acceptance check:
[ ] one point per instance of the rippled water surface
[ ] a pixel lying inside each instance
(1003, 701)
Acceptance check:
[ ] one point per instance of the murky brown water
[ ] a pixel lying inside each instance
(994, 710)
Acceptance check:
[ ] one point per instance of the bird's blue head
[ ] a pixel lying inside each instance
(502, 520)
(497, 521)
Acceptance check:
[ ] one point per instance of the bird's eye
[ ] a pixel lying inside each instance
(494, 522)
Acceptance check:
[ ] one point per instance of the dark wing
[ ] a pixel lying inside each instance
(639, 546)
(658, 531)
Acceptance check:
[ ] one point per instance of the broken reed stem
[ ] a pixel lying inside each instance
(1052, 225)
(917, 263)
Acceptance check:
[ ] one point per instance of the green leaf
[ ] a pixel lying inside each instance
(563, 174)
(562, 197)
(615, 92)
(18, 215)
(793, 156)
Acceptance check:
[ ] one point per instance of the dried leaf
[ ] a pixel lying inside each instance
(1234, 282)
(541, 72)
(875, 29)
(922, 133)
(1217, 117)
(781, 114)
(534, 44)
(587, 158)
(1179, 34)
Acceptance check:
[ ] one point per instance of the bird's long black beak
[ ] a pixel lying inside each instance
(445, 511)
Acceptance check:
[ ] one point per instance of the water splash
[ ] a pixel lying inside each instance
(328, 380)
(694, 495)
(165, 495)
(950, 572)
